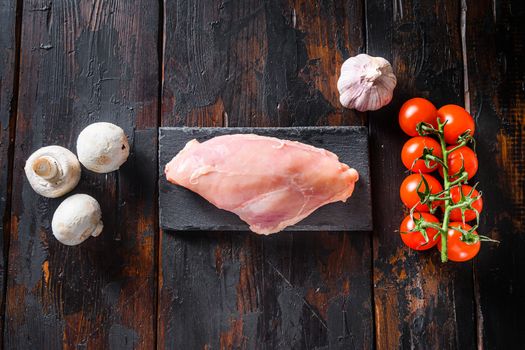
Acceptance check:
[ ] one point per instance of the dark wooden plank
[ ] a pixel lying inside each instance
(181, 209)
(494, 37)
(255, 63)
(419, 302)
(8, 86)
(83, 62)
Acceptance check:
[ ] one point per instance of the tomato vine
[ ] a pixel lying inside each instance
(455, 196)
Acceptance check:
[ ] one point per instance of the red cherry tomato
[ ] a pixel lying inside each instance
(458, 121)
(413, 149)
(416, 240)
(408, 191)
(414, 111)
(462, 156)
(457, 249)
(455, 214)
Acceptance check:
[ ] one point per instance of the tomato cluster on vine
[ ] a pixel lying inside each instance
(440, 205)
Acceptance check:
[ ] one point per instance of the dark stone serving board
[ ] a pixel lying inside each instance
(181, 209)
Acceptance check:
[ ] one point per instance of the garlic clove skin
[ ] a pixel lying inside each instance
(52, 171)
(366, 83)
(102, 147)
(76, 219)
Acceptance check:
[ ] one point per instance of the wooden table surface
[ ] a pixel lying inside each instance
(147, 63)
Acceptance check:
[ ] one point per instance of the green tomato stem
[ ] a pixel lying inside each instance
(431, 225)
(460, 179)
(457, 147)
(446, 188)
(444, 195)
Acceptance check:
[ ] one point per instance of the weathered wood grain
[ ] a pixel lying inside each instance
(255, 63)
(419, 302)
(8, 86)
(182, 210)
(496, 56)
(83, 62)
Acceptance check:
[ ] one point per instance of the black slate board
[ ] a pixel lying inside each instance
(181, 209)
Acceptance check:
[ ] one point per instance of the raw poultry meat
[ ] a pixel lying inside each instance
(268, 182)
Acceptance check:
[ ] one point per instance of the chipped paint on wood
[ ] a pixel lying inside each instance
(388, 334)
(45, 270)
(233, 338)
(510, 159)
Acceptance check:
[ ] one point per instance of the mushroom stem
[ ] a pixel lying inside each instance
(46, 167)
(52, 171)
(97, 230)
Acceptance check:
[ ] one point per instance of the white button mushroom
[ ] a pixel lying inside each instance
(102, 147)
(77, 218)
(52, 171)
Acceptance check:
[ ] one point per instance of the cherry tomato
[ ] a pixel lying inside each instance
(408, 191)
(457, 250)
(462, 156)
(458, 121)
(413, 149)
(414, 111)
(455, 214)
(416, 240)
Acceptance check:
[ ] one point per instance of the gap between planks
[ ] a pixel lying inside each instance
(13, 110)
(161, 44)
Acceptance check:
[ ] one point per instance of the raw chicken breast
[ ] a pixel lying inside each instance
(269, 183)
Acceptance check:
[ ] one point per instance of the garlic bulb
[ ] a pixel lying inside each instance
(366, 83)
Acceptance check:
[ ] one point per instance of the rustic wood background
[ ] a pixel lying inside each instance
(148, 63)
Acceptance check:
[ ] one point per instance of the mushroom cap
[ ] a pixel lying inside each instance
(102, 147)
(77, 218)
(61, 169)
